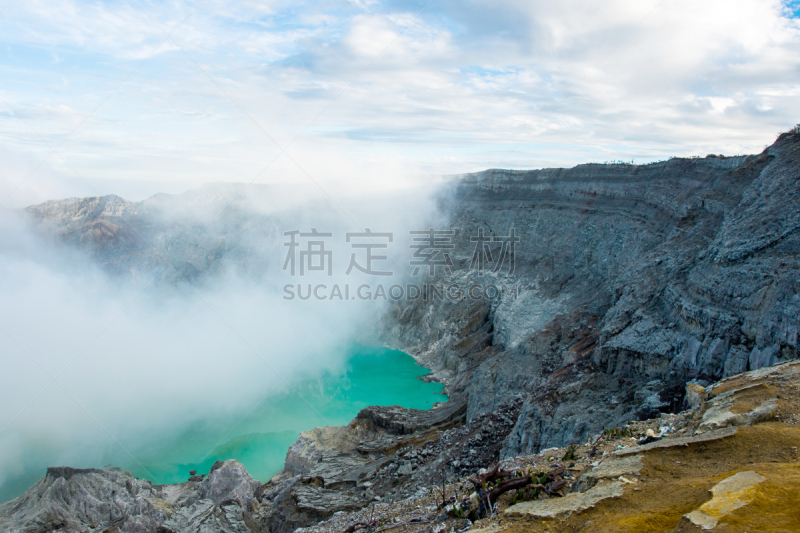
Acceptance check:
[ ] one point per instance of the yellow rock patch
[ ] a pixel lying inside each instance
(730, 494)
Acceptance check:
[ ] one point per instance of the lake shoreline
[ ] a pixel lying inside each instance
(370, 376)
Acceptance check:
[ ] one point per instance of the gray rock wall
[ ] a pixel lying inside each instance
(631, 281)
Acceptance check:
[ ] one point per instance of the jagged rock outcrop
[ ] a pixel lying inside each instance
(329, 470)
(226, 481)
(224, 501)
(384, 454)
(76, 500)
(72, 499)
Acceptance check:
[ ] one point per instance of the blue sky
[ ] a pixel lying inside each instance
(377, 94)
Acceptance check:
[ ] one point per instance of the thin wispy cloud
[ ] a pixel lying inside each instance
(384, 92)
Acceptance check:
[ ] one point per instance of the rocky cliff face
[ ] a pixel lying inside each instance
(630, 281)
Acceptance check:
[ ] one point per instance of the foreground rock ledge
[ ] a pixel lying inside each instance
(571, 503)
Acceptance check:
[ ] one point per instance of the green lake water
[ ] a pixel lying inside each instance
(372, 376)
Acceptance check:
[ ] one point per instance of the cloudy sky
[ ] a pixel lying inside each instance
(134, 97)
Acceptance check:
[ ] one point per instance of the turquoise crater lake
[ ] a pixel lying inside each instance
(371, 376)
(260, 438)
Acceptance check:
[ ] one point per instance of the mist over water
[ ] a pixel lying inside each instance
(135, 366)
(370, 376)
(260, 435)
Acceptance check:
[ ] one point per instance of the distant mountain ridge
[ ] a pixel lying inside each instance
(195, 232)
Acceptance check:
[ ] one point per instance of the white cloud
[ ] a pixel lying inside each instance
(457, 90)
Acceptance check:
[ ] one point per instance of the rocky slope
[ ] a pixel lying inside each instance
(629, 282)
(729, 463)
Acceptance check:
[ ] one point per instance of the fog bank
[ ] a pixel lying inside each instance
(108, 346)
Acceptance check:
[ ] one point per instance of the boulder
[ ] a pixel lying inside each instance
(228, 480)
